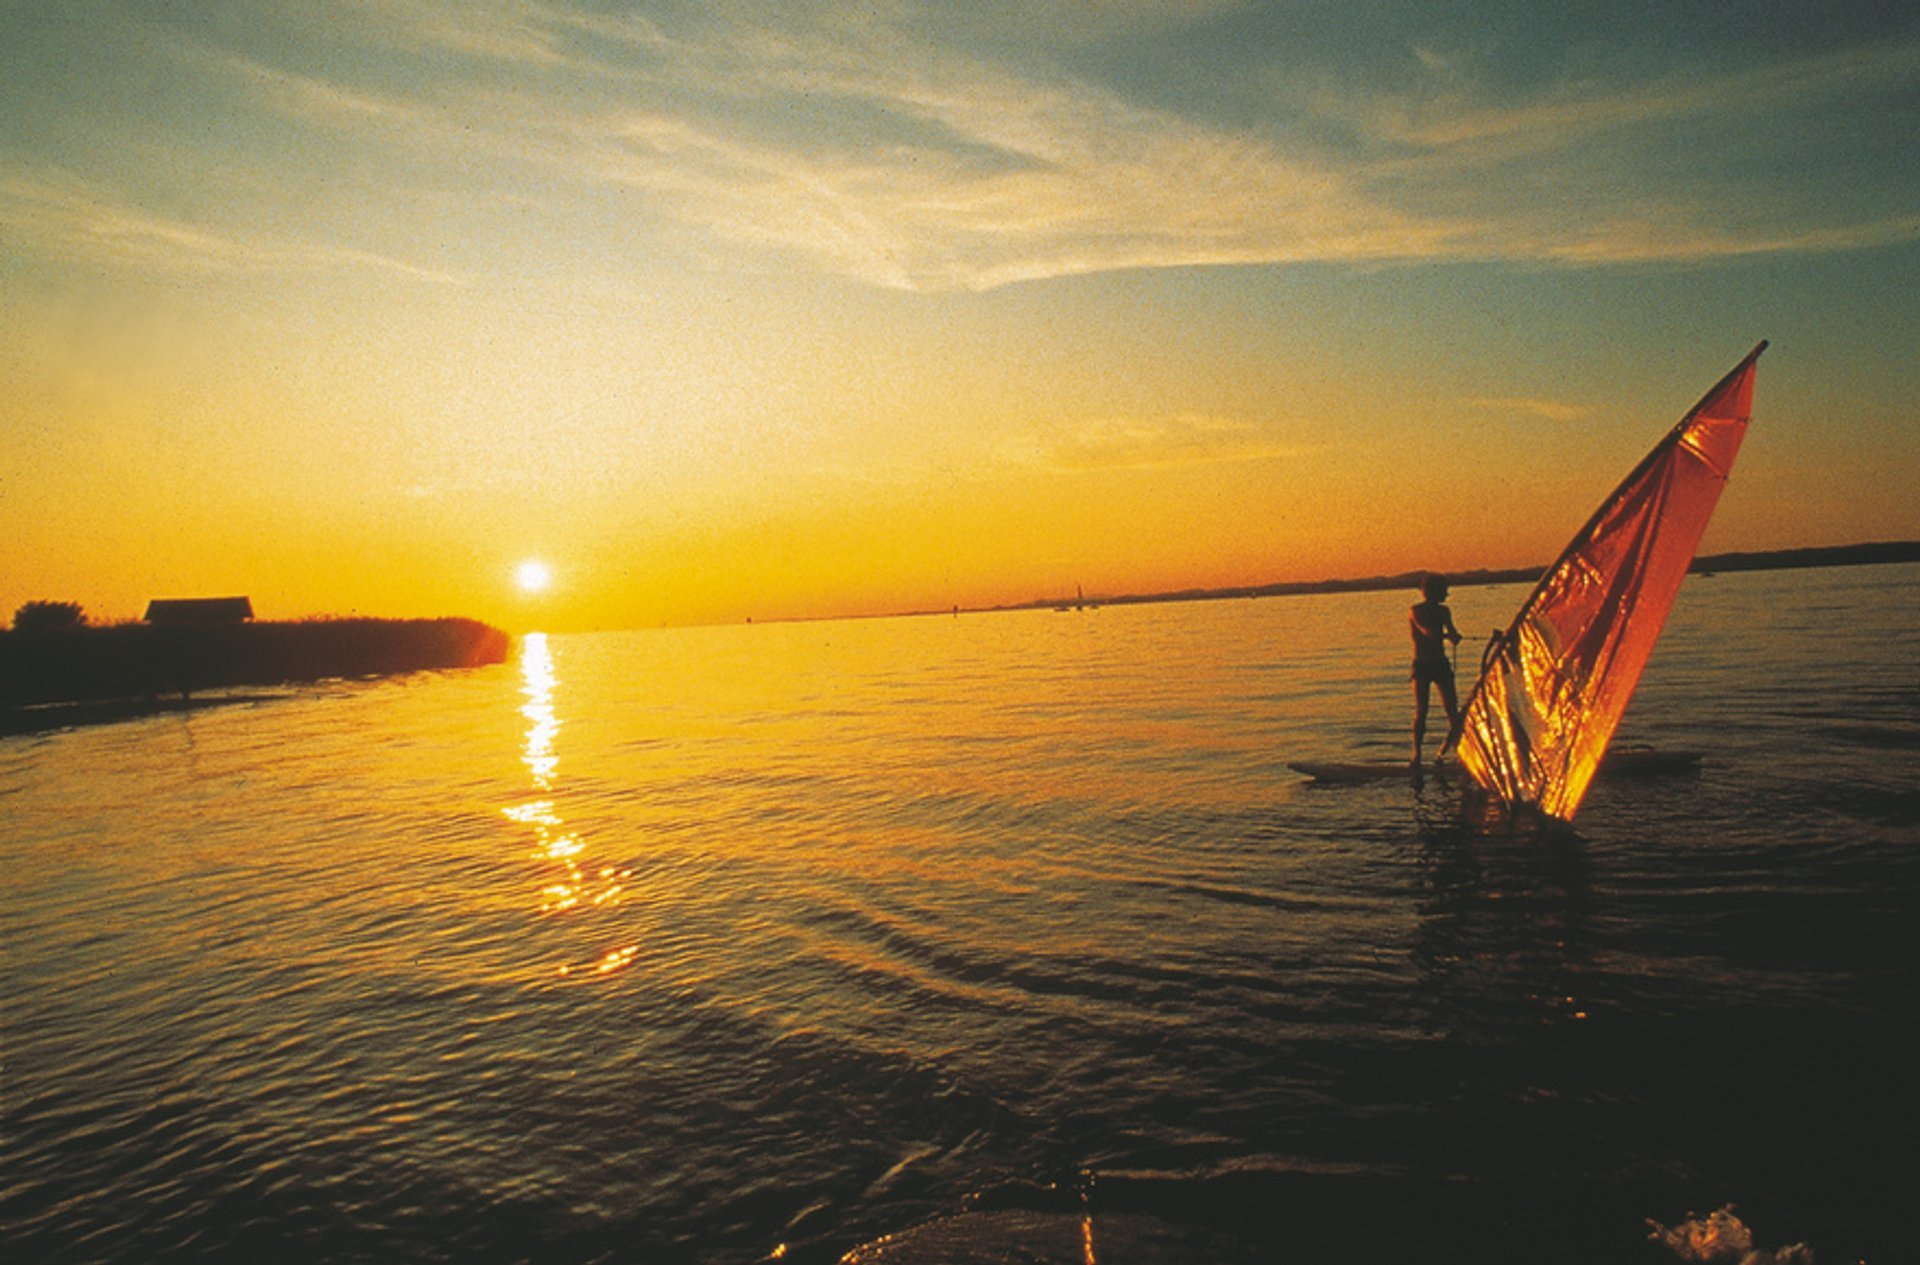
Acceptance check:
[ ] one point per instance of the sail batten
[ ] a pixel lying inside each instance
(1555, 682)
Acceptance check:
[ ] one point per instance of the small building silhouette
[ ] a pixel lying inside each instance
(199, 610)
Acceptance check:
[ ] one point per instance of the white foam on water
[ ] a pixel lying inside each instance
(1721, 1238)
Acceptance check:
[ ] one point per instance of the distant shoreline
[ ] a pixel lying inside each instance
(1765, 560)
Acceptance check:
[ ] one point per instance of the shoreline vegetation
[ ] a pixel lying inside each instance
(54, 678)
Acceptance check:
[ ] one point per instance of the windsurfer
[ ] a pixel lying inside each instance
(1432, 626)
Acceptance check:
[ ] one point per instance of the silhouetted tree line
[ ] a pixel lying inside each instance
(44, 660)
(48, 616)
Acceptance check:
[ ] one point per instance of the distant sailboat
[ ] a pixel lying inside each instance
(1554, 684)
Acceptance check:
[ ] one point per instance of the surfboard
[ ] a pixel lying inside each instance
(1366, 770)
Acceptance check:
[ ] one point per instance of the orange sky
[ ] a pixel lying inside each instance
(741, 313)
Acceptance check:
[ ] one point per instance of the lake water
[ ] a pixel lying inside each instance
(1009, 936)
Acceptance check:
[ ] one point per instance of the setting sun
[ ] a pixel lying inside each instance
(533, 576)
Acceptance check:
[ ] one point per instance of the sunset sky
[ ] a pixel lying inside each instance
(731, 309)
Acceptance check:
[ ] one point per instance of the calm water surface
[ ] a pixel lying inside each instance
(723, 944)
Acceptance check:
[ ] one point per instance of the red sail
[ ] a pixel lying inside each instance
(1556, 682)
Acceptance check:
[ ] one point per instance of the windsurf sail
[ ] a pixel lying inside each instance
(1554, 684)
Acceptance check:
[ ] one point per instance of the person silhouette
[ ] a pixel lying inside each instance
(1432, 626)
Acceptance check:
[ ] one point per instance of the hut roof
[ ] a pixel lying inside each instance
(199, 610)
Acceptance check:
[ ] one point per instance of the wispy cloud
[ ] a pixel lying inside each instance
(65, 217)
(997, 176)
(1550, 410)
(507, 30)
(1452, 114)
(934, 170)
(1630, 240)
(1185, 439)
(854, 141)
(1676, 167)
(315, 97)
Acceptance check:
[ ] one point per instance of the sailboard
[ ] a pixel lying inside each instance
(1620, 762)
(1555, 682)
(1365, 770)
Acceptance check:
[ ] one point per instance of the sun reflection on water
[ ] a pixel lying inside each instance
(568, 882)
(537, 682)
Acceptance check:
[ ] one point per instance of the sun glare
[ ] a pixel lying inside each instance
(533, 576)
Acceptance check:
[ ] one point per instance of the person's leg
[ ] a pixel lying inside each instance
(1420, 693)
(1452, 702)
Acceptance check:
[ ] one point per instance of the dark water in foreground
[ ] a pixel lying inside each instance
(710, 945)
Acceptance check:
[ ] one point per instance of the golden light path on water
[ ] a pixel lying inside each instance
(568, 881)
